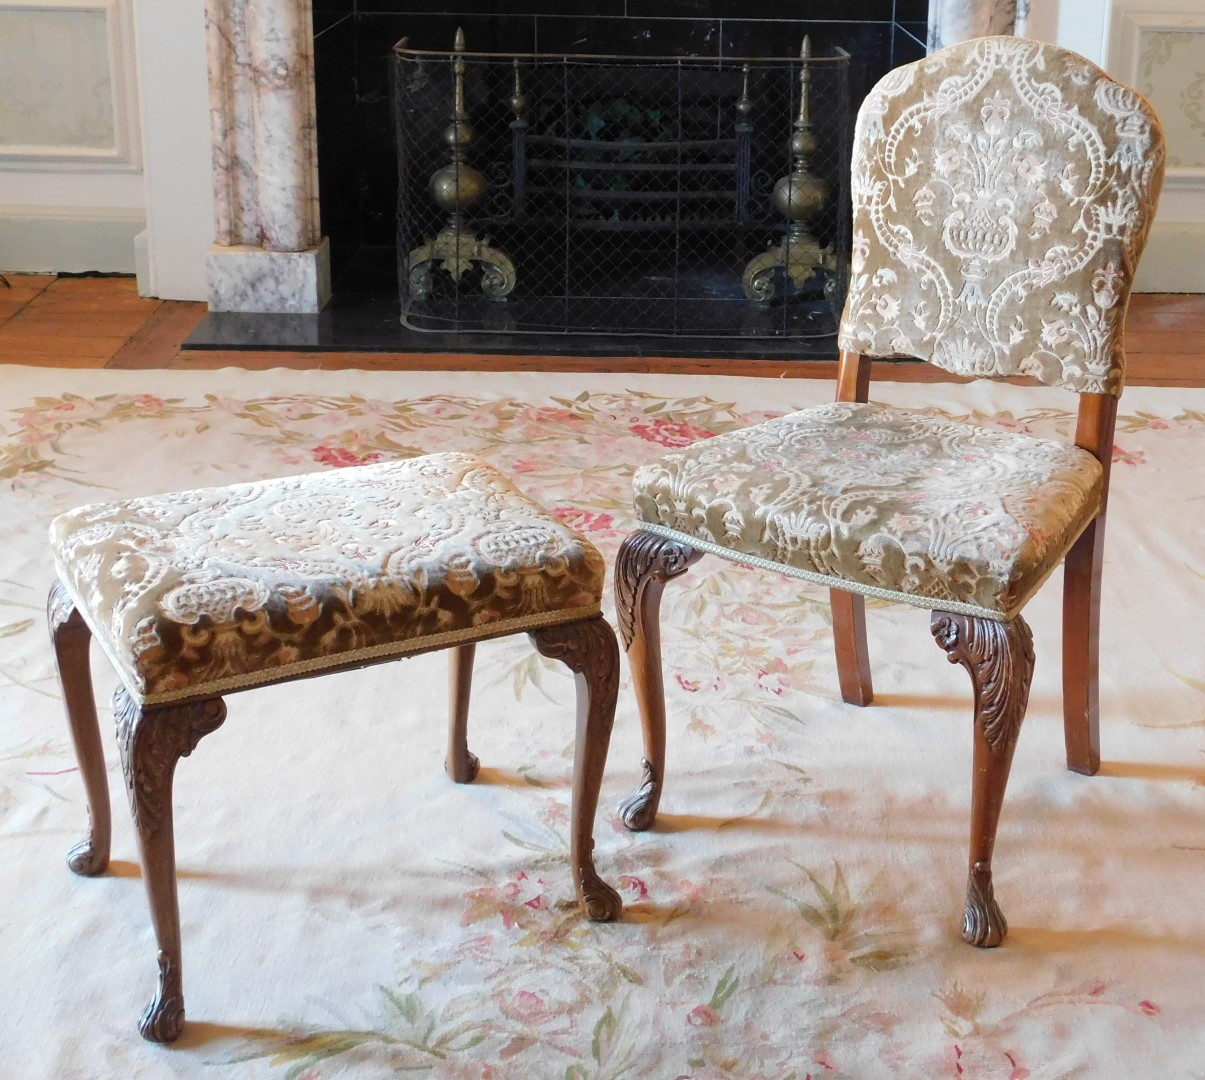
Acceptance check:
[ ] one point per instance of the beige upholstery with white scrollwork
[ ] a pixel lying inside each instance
(888, 502)
(219, 589)
(1002, 193)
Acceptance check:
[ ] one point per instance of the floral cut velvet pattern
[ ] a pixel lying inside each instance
(929, 510)
(1002, 192)
(209, 590)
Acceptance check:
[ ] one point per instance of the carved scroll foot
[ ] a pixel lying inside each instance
(459, 764)
(999, 658)
(152, 739)
(87, 860)
(639, 809)
(70, 637)
(983, 923)
(645, 563)
(589, 650)
(162, 1020)
(599, 901)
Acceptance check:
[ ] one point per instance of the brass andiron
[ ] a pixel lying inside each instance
(799, 197)
(457, 188)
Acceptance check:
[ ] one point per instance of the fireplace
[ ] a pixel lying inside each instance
(351, 46)
(586, 194)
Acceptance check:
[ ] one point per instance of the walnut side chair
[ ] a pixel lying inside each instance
(1002, 193)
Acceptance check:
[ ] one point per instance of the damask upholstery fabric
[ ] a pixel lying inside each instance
(1002, 193)
(891, 502)
(223, 588)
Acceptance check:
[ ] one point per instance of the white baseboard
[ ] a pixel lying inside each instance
(40, 239)
(1174, 259)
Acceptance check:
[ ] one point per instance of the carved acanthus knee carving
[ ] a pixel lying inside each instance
(151, 741)
(999, 658)
(645, 558)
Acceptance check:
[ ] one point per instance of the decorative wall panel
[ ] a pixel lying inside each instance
(1162, 53)
(67, 85)
(1171, 70)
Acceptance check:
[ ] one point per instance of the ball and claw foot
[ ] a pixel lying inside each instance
(85, 860)
(983, 923)
(600, 902)
(639, 810)
(468, 773)
(163, 1019)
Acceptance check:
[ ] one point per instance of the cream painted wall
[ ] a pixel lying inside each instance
(71, 185)
(1082, 25)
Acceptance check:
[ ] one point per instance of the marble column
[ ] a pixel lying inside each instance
(269, 253)
(951, 21)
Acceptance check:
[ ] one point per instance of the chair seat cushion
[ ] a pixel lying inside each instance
(882, 501)
(222, 588)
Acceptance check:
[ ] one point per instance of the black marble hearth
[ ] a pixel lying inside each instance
(357, 161)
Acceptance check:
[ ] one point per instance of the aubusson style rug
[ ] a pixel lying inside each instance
(349, 912)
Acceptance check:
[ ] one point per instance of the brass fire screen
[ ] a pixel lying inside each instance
(610, 195)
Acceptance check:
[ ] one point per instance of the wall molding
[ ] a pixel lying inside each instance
(41, 239)
(125, 155)
(1130, 24)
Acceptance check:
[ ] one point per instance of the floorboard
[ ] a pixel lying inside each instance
(102, 322)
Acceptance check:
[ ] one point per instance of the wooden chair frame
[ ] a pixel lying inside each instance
(997, 655)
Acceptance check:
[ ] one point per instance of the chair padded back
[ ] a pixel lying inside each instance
(1002, 192)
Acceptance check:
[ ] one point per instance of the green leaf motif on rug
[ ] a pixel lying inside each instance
(868, 932)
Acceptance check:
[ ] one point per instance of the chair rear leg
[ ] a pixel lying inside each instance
(460, 765)
(1081, 650)
(589, 649)
(71, 637)
(645, 563)
(849, 637)
(999, 658)
(152, 740)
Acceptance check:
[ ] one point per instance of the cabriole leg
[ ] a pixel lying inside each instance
(71, 637)
(645, 563)
(589, 649)
(152, 739)
(999, 658)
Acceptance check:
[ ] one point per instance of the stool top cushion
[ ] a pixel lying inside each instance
(886, 502)
(217, 589)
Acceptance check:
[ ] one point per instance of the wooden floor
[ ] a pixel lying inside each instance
(103, 323)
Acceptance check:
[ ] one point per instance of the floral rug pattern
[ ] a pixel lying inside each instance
(348, 912)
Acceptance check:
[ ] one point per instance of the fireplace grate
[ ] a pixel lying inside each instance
(571, 194)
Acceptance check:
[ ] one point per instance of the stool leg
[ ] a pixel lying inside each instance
(589, 649)
(460, 765)
(71, 637)
(152, 739)
(645, 563)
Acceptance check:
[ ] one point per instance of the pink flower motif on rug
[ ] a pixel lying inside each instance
(341, 458)
(671, 433)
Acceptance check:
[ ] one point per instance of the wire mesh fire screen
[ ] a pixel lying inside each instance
(573, 194)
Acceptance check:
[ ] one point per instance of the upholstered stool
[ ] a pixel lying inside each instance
(198, 594)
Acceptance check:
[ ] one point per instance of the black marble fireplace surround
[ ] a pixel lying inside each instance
(357, 158)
